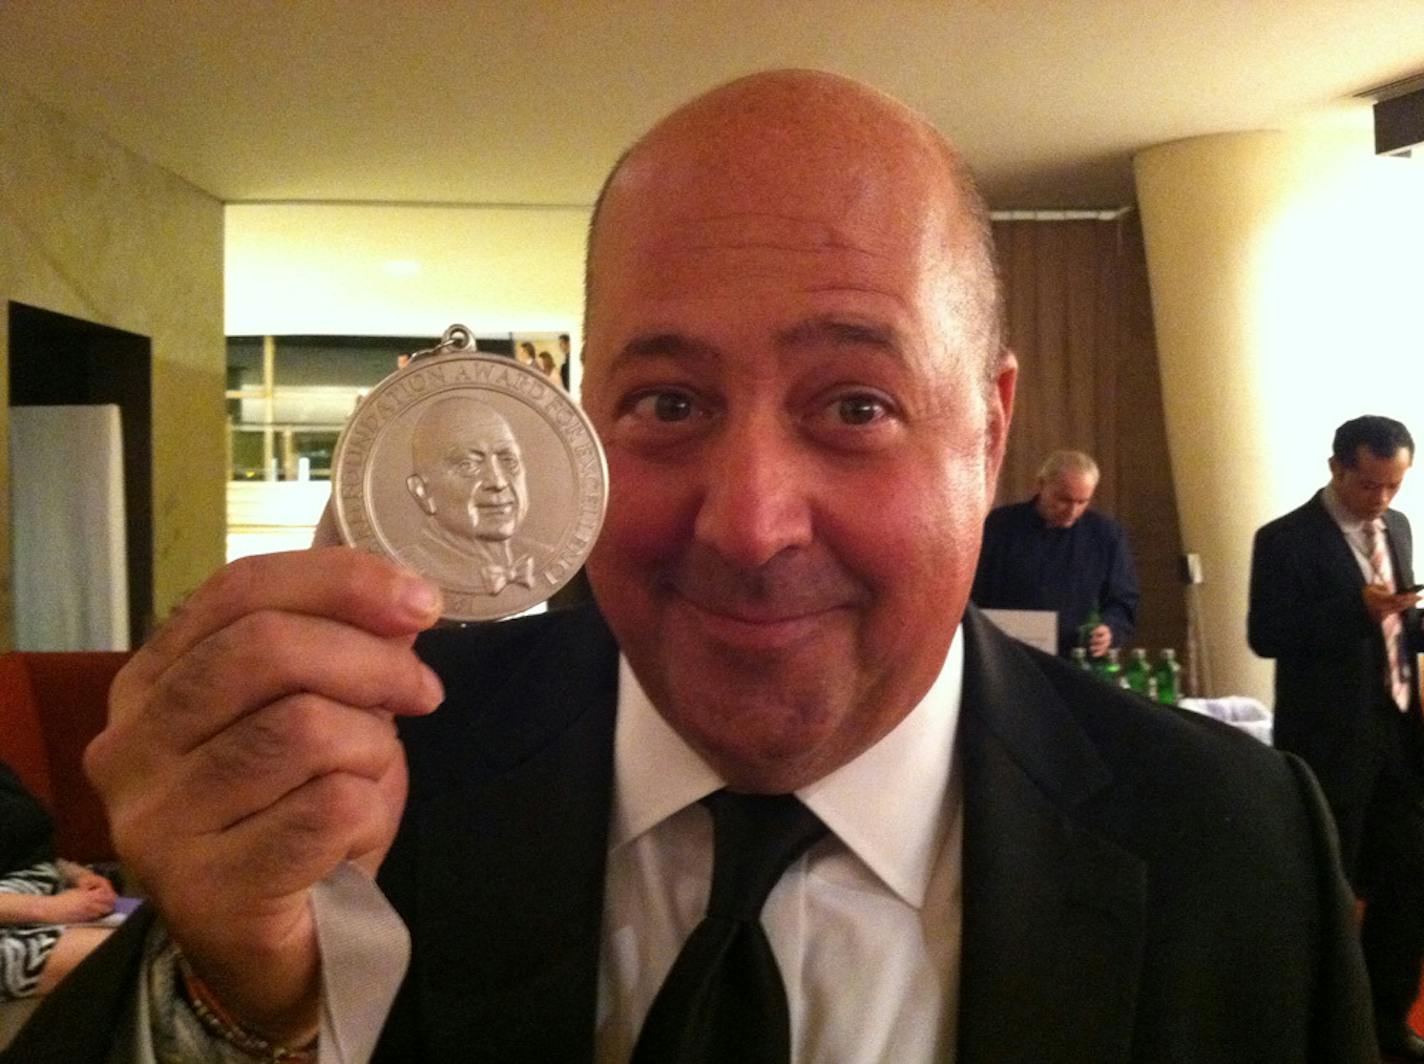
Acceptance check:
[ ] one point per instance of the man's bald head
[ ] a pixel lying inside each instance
(798, 143)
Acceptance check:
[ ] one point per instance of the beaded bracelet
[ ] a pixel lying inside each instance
(220, 1023)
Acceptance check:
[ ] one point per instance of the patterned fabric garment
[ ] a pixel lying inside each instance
(25, 948)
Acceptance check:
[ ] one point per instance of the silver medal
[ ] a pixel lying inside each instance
(475, 471)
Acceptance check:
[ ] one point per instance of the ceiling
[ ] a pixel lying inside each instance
(516, 102)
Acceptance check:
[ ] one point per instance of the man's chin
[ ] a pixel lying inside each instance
(766, 720)
(493, 531)
(756, 748)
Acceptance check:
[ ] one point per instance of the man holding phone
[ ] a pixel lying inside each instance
(1334, 602)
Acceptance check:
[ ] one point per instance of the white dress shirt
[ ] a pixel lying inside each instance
(1353, 529)
(865, 927)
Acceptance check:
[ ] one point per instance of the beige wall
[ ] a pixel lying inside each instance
(383, 270)
(1285, 291)
(90, 230)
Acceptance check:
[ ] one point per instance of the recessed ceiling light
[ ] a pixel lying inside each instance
(402, 267)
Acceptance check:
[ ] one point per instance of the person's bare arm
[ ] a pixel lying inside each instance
(251, 748)
(73, 906)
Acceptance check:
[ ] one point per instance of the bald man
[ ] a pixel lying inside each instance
(1054, 553)
(794, 360)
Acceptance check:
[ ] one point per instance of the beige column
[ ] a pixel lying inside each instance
(1283, 269)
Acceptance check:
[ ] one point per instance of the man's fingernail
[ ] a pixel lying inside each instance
(421, 598)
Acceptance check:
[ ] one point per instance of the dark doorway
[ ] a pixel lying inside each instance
(56, 360)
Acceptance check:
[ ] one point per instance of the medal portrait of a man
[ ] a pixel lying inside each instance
(468, 479)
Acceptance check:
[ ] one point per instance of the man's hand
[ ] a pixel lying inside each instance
(1380, 601)
(1099, 641)
(251, 748)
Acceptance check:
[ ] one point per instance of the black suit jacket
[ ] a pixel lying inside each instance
(1308, 613)
(1139, 884)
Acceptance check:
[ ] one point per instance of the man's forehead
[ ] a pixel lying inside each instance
(1369, 464)
(795, 199)
(756, 225)
(1073, 481)
(457, 426)
(810, 164)
(481, 437)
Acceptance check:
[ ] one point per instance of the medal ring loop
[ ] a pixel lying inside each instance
(456, 338)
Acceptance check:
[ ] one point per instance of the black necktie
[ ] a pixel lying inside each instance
(724, 1000)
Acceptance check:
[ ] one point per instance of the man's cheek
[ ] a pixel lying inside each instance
(651, 512)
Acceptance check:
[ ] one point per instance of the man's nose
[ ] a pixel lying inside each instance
(755, 500)
(496, 480)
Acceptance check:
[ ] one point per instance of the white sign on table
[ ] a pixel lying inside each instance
(1037, 628)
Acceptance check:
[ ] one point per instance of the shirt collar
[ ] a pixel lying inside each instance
(1035, 517)
(1040, 523)
(1348, 522)
(875, 804)
(655, 773)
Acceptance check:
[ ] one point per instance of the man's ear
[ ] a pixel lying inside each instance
(1000, 410)
(415, 483)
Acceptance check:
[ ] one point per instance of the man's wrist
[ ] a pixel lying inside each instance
(220, 1023)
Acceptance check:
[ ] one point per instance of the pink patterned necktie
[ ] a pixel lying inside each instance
(1383, 574)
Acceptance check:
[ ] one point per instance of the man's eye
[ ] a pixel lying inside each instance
(665, 406)
(860, 409)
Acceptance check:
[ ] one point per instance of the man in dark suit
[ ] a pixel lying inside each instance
(794, 362)
(1333, 602)
(1052, 552)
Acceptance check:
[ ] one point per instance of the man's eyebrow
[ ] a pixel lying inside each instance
(672, 345)
(842, 332)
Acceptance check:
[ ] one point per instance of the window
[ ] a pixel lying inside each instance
(288, 398)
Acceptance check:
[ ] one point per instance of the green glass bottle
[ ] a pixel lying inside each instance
(1085, 630)
(1108, 668)
(1168, 674)
(1138, 673)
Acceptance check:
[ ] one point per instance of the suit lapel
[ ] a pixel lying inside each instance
(1341, 566)
(1053, 913)
(1397, 531)
(508, 967)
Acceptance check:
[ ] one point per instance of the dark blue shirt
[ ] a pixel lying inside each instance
(1027, 565)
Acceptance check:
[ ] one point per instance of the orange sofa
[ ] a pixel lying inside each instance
(51, 705)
